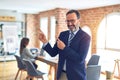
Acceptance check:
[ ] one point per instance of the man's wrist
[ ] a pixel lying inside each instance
(45, 42)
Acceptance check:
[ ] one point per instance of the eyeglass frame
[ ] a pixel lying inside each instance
(71, 21)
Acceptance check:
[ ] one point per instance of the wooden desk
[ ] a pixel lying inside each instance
(52, 62)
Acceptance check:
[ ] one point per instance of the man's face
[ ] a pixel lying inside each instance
(72, 21)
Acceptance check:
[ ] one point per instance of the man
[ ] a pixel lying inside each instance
(72, 46)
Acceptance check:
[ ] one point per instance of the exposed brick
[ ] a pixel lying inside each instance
(90, 17)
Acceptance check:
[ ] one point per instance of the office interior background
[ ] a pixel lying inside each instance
(101, 23)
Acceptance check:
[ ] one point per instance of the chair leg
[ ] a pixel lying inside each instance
(33, 78)
(42, 78)
(27, 77)
(49, 73)
(21, 74)
(17, 74)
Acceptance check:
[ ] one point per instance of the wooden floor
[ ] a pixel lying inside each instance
(9, 69)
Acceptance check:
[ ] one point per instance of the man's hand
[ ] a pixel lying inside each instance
(42, 37)
(60, 44)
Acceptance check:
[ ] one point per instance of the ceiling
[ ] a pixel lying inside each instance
(35, 6)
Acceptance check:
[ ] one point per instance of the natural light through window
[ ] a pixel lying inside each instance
(44, 26)
(113, 31)
(88, 31)
(108, 42)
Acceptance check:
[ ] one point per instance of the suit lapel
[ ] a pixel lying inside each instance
(76, 36)
(66, 38)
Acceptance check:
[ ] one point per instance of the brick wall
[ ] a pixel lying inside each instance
(90, 17)
(32, 25)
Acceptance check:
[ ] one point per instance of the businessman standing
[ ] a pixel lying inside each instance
(72, 46)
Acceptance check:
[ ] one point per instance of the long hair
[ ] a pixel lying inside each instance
(24, 42)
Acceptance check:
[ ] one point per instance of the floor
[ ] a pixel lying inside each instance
(9, 69)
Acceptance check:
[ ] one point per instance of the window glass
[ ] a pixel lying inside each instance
(52, 30)
(108, 42)
(88, 31)
(44, 26)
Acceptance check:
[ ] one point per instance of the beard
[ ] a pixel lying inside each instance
(73, 27)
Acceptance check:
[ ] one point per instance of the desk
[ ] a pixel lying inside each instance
(52, 62)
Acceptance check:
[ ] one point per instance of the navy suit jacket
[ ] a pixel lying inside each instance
(74, 55)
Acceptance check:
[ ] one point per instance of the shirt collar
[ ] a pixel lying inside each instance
(74, 31)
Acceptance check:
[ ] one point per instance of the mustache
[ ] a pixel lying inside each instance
(71, 25)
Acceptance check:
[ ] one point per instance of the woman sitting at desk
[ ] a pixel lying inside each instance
(25, 52)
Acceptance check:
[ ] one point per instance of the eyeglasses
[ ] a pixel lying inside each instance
(70, 21)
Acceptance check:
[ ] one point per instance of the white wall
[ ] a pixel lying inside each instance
(18, 16)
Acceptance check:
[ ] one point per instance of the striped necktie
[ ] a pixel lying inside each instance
(70, 38)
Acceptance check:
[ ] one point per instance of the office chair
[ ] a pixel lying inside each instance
(93, 72)
(31, 71)
(94, 60)
(21, 66)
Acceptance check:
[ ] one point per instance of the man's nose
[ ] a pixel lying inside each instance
(69, 23)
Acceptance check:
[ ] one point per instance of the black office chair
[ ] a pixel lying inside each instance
(21, 66)
(94, 60)
(31, 71)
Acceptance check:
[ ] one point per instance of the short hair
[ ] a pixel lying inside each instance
(74, 11)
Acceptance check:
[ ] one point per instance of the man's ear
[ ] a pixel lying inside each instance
(80, 21)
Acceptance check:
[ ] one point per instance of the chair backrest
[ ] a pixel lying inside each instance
(30, 68)
(20, 63)
(94, 60)
(93, 72)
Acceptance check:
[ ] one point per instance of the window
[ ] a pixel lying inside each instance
(52, 30)
(113, 31)
(10, 33)
(44, 26)
(108, 41)
(108, 32)
(87, 30)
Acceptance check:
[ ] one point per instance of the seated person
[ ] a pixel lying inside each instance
(25, 53)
